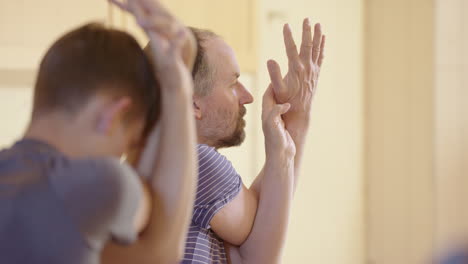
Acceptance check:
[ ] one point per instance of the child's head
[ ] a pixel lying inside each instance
(101, 78)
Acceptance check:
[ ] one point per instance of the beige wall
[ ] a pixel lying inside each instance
(416, 129)
(399, 130)
(15, 109)
(451, 121)
(27, 28)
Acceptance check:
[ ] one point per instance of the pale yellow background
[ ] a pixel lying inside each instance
(384, 173)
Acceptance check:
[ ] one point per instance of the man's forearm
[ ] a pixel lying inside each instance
(256, 185)
(174, 175)
(169, 160)
(299, 136)
(275, 188)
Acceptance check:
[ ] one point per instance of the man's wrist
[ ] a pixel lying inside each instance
(279, 165)
(297, 130)
(279, 157)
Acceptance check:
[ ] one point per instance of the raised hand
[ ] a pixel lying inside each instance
(277, 138)
(300, 83)
(160, 25)
(168, 41)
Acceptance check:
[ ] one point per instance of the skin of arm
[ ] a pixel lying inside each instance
(263, 245)
(168, 159)
(275, 194)
(234, 221)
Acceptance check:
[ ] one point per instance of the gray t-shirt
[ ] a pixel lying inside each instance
(54, 209)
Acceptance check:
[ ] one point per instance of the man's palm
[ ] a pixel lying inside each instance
(299, 84)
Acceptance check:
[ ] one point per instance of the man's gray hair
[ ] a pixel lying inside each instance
(202, 72)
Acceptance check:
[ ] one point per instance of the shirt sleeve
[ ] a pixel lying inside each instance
(218, 184)
(101, 196)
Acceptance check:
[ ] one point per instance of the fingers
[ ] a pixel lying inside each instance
(154, 21)
(121, 5)
(316, 43)
(150, 15)
(291, 49)
(268, 100)
(270, 107)
(155, 7)
(306, 46)
(165, 27)
(280, 90)
(322, 49)
(272, 118)
(138, 12)
(311, 49)
(275, 73)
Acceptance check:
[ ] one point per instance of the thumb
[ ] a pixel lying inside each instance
(277, 81)
(268, 98)
(281, 109)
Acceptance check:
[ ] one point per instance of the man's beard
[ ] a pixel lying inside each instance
(238, 136)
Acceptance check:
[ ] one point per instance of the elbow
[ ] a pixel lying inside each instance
(239, 238)
(236, 235)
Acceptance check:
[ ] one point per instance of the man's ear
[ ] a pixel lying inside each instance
(112, 114)
(196, 108)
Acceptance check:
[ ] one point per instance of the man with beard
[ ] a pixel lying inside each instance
(231, 221)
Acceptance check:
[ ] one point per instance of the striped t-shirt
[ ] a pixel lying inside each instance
(218, 184)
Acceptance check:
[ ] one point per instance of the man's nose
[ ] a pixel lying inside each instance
(246, 97)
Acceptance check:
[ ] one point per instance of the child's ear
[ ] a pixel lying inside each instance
(112, 114)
